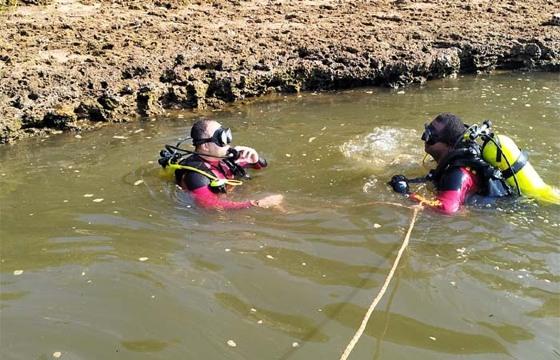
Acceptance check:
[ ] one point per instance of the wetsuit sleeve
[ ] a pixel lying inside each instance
(262, 163)
(204, 197)
(453, 189)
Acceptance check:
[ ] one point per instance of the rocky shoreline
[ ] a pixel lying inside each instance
(67, 65)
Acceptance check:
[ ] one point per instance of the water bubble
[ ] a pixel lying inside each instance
(383, 147)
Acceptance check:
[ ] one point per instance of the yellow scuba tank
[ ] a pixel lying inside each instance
(502, 152)
(168, 172)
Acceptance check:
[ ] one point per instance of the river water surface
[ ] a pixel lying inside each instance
(102, 259)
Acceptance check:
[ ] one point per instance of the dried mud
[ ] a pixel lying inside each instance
(67, 65)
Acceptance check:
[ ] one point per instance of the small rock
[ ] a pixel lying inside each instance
(18, 272)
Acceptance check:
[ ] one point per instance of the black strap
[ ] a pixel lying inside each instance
(516, 166)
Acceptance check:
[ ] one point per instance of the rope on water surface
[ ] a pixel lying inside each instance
(365, 320)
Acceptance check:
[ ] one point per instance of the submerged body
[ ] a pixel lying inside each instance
(199, 185)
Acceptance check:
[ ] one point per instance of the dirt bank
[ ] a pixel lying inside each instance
(71, 65)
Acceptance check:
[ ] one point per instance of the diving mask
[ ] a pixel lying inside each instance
(221, 137)
(429, 136)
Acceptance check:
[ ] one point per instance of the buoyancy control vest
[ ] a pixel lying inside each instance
(177, 166)
(467, 154)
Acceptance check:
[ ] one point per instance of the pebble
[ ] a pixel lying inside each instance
(227, 250)
(98, 200)
(88, 195)
(432, 338)
(376, 225)
(143, 258)
(138, 182)
(295, 344)
(18, 272)
(119, 137)
(57, 354)
(270, 257)
(231, 343)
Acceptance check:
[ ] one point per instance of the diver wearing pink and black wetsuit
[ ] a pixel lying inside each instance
(460, 172)
(208, 173)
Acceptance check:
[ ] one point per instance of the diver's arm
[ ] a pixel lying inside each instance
(198, 186)
(445, 202)
(204, 197)
(455, 186)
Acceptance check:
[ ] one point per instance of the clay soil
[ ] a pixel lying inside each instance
(68, 65)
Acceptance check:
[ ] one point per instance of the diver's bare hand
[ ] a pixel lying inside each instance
(247, 154)
(269, 201)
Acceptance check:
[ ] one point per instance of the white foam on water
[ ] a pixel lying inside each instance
(385, 146)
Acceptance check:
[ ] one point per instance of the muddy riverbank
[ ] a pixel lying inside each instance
(69, 65)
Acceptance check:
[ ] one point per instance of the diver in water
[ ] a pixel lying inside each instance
(214, 167)
(460, 173)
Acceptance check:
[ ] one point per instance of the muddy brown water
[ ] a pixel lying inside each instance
(102, 259)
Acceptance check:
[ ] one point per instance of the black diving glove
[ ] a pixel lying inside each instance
(399, 183)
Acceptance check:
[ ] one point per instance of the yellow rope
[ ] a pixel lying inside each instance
(362, 327)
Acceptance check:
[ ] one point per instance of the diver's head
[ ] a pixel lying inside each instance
(441, 134)
(209, 137)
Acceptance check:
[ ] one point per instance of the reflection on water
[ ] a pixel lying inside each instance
(101, 258)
